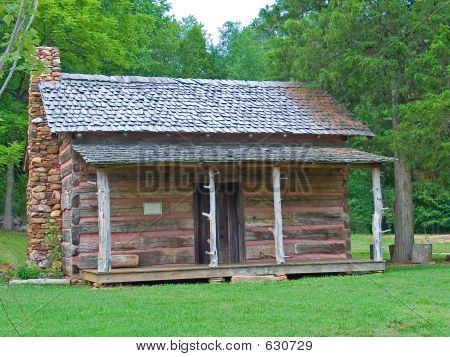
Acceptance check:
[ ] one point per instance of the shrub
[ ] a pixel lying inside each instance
(9, 273)
(26, 272)
(53, 272)
(52, 242)
(6, 275)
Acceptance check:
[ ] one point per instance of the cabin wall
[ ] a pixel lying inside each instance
(72, 168)
(315, 215)
(314, 211)
(157, 239)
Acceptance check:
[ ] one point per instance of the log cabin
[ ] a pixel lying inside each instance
(153, 179)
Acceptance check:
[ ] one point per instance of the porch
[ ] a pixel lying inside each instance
(202, 271)
(242, 215)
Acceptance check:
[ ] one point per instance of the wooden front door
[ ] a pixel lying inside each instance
(230, 223)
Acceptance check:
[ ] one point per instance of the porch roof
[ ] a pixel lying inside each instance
(153, 152)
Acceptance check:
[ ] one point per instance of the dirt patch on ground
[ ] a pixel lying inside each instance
(442, 238)
(6, 266)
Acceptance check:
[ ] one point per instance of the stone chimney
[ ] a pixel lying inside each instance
(42, 164)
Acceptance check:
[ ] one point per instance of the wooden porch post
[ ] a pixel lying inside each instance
(214, 260)
(104, 222)
(278, 230)
(377, 215)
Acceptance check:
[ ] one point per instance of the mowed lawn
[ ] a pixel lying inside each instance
(361, 245)
(404, 301)
(13, 248)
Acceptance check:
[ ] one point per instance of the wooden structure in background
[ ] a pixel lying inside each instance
(189, 178)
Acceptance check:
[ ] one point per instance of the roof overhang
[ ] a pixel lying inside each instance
(152, 153)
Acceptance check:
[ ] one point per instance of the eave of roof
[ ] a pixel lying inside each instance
(162, 152)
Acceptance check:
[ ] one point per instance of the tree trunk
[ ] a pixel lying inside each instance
(8, 217)
(403, 212)
(403, 207)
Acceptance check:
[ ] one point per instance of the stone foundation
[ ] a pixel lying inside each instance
(42, 163)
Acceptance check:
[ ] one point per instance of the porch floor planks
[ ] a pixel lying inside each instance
(191, 271)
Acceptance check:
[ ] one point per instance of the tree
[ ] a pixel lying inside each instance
(17, 54)
(243, 53)
(13, 122)
(83, 33)
(124, 37)
(364, 52)
(158, 45)
(9, 156)
(195, 59)
(19, 38)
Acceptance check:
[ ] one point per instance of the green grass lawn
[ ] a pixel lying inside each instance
(361, 243)
(13, 248)
(404, 301)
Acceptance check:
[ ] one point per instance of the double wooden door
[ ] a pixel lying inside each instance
(230, 223)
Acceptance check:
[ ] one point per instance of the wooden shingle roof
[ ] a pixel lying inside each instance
(93, 103)
(164, 152)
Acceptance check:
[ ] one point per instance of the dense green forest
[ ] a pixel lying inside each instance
(387, 61)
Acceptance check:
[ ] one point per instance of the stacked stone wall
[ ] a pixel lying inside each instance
(42, 164)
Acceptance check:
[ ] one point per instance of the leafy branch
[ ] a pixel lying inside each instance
(20, 39)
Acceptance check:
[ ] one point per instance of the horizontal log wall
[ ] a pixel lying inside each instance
(315, 216)
(74, 174)
(157, 239)
(314, 209)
